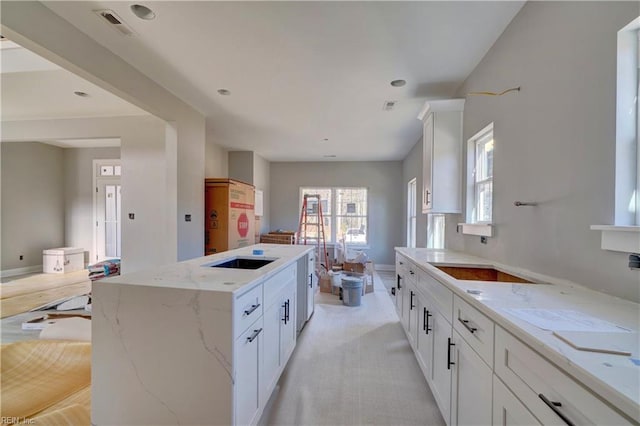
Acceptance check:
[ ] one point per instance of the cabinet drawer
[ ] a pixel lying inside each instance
(475, 328)
(440, 296)
(532, 379)
(275, 285)
(401, 264)
(411, 272)
(246, 309)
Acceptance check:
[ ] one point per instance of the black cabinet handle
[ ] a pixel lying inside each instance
(467, 326)
(286, 311)
(426, 321)
(310, 280)
(402, 263)
(411, 272)
(411, 305)
(554, 406)
(393, 291)
(449, 362)
(399, 278)
(254, 335)
(253, 308)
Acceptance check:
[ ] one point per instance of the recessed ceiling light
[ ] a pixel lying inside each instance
(330, 156)
(81, 94)
(224, 92)
(398, 83)
(143, 12)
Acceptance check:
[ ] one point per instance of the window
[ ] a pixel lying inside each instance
(624, 234)
(411, 213)
(344, 211)
(479, 212)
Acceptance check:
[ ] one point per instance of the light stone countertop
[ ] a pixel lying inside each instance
(193, 274)
(615, 378)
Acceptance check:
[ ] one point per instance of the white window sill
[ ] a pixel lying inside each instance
(481, 229)
(619, 238)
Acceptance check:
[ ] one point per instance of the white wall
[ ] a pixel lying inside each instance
(555, 142)
(32, 202)
(241, 166)
(78, 187)
(31, 24)
(216, 163)
(149, 239)
(382, 178)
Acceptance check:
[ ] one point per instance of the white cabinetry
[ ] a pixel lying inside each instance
(551, 396)
(307, 286)
(442, 156)
(507, 409)
(249, 347)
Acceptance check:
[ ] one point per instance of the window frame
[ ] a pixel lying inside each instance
(412, 212)
(472, 226)
(332, 238)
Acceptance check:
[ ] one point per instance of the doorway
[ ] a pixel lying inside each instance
(107, 209)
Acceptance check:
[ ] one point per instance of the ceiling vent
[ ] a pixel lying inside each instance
(114, 21)
(389, 105)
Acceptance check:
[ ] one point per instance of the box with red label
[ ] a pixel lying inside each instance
(229, 215)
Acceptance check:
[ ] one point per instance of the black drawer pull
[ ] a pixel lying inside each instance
(254, 335)
(554, 406)
(449, 362)
(286, 310)
(253, 308)
(467, 326)
(402, 263)
(399, 278)
(427, 329)
(411, 305)
(411, 272)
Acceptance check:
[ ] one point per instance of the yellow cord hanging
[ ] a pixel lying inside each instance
(513, 89)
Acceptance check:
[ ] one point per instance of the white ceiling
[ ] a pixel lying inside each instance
(34, 88)
(300, 72)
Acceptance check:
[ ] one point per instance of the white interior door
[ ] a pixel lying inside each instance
(107, 211)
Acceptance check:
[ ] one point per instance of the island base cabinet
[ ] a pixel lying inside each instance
(249, 347)
(471, 386)
(507, 409)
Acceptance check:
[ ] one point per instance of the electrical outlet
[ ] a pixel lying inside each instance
(187, 218)
(21, 257)
(132, 216)
(483, 240)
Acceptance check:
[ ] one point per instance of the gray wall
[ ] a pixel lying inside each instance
(241, 166)
(382, 178)
(412, 168)
(78, 172)
(262, 181)
(32, 202)
(555, 142)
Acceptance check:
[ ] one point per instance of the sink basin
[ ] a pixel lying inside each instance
(241, 263)
(480, 274)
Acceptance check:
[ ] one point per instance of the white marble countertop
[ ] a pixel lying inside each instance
(615, 378)
(192, 275)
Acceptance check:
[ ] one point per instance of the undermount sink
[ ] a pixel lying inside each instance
(241, 263)
(480, 274)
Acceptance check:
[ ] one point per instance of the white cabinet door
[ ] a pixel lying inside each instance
(412, 321)
(507, 409)
(443, 350)
(400, 284)
(287, 325)
(312, 285)
(248, 348)
(427, 158)
(424, 341)
(404, 314)
(471, 386)
(271, 353)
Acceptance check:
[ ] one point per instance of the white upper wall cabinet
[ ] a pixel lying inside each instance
(442, 156)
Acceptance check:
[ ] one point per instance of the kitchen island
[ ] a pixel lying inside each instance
(487, 363)
(197, 342)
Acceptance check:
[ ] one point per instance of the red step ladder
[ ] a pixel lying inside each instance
(312, 223)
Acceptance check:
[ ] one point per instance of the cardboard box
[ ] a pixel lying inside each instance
(353, 267)
(229, 215)
(325, 284)
(62, 260)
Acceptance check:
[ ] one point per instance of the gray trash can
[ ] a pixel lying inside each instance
(352, 291)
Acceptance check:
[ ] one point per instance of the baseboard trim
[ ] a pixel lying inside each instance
(382, 267)
(20, 271)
